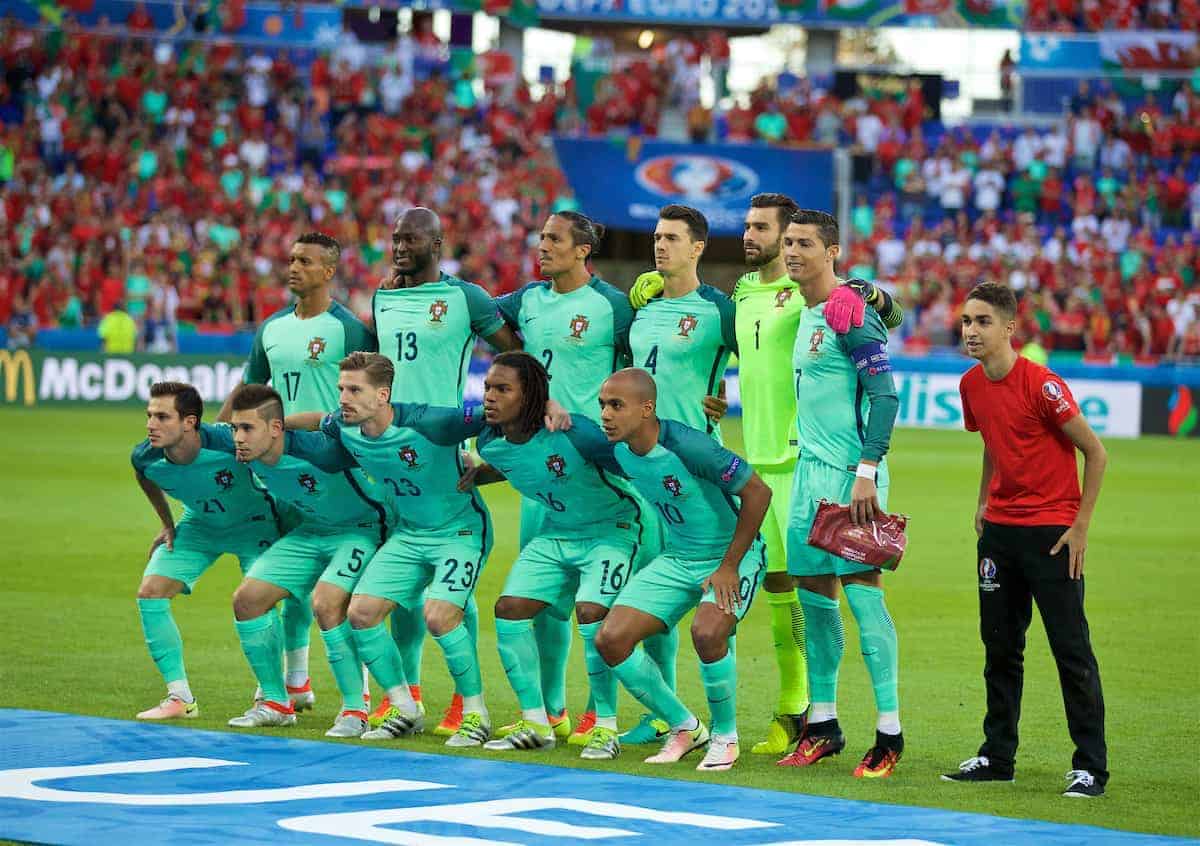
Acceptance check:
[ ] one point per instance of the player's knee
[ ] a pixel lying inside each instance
(442, 617)
(363, 615)
(613, 645)
(710, 635)
(329, 610)
(158, 588)
(589, 612)
(247, 605)
(511, 608)
(778, 583)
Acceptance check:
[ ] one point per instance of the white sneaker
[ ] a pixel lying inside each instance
(348, 724)
(721, 755)
(263, 714)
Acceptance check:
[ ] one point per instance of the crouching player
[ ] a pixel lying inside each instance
(342, 524)
(711, 504)
(223, 511)
(441, 543)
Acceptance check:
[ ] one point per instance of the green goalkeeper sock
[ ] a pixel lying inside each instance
(644, 681)
(880, 647)
(720, 688)
(461, 660)
(162, 638)
(262, 643)
(600, 677)
(663, 650)
(518, 655)
(826, 640)
(378, 651)
(553, 636)
(408, 630)
(787, 628)
(343, 660)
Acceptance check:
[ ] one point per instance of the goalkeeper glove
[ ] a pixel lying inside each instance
(645, 288)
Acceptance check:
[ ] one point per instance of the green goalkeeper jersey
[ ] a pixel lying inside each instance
(685, 343)
(581, 337)
(768, 316)
(428, 332)
(845, 396)
(300, 357)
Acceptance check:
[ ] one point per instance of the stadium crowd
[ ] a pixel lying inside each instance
(186, 172)
(1100, 15)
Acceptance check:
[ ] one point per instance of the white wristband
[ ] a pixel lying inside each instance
(866, 471)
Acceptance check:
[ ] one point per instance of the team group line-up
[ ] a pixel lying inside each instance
(338, 476)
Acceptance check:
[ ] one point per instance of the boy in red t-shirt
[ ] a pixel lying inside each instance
(1032, 525)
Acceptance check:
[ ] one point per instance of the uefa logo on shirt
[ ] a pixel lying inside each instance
(987, 575)
(1052, 390)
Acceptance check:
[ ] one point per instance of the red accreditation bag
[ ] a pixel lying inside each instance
(879, 543)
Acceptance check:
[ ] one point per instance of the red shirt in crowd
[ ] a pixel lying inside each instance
(1034, 477)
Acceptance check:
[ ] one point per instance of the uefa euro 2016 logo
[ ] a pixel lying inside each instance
(697, 178)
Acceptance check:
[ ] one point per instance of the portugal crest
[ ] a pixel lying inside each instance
(814, 343)
(437, 310)
(308, 482)
(579, 325)
(315, 347)
(408, 455)
(686, 324)
(782, 297)
(557, 465)
(672, 485)
(224, 480)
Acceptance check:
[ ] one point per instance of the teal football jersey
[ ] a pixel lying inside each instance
(419, 477)
(215, 490)
(428, 332)
(692, 482)
(314, 476)
(832, 408)
(581, 337)
(300, 358)
(685, 343)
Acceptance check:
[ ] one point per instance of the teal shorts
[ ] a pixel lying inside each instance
(301, 558)
(409, 562)
(594, 568)
(197, 548)
(815, 480)
(668, 587)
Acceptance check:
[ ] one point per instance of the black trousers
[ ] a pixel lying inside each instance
(1015, 569)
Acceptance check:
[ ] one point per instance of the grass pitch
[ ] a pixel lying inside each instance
(76, 529)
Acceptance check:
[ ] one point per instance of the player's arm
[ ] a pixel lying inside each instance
(442, 425)
(1095, 460)
(867, 347)
(985, 482)
(476, 473)
(716, 406)
(885, 305)
(488, 322)
(589, 440)
(257, 371)
(305, 421)
(158, 501)
(504, 339)
(756, 499)
(846, 307)
(322, 450)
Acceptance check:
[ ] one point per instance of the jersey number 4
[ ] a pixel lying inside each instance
(652, 361)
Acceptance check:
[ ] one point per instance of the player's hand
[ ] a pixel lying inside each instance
(844, 309)
(864, 501)
(471, 469)
(166, 536)
(1075, 540)
(557, 418)
(715, 407)
(979, 520)
(645, 288)
(724, 583)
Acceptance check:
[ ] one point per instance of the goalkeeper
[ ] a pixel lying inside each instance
(769, 307)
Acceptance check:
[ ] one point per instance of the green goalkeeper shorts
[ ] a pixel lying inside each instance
(775, 523)
(816, 480)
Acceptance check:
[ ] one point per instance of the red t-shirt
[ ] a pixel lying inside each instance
(1034, 477)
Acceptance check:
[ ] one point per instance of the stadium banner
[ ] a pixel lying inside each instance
(291, 26)
(1147, 51)
(991, 14)
(1052, 52)
(880, 84)
(31, 378)
(624, 182)
(1171, 411)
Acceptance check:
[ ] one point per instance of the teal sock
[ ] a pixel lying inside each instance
(471, 620)
(825, 641)
(644, 681)
(378, 651)
(880, 647)
(297, 623)
(408, 630)
(162, 638)
(663, 649)
(462, 660)
(600, 676)
(553, 636)
(519, 657)
(720, 688)
(262, 643)
(343, 660)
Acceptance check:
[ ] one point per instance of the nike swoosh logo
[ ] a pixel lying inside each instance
(273, 346)
(530, 319)
(393, 308)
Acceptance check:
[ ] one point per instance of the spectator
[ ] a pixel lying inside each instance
(118, 332)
